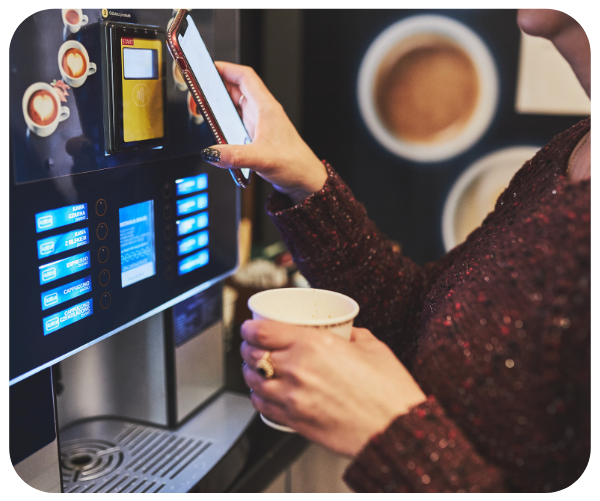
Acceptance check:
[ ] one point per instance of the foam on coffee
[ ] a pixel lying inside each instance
(42, 107)
(74, 63)
(426, 89)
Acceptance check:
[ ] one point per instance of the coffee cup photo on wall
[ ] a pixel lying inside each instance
(428, 88)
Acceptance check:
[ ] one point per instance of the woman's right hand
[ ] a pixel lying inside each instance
(277, 152)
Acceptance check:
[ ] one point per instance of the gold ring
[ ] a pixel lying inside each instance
(242, 97)
(264, 366)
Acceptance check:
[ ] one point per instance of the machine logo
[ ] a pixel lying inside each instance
(47, 248)
(48, 274)
(51, 299)
(45, 222)
(141, 95)
(52, 323)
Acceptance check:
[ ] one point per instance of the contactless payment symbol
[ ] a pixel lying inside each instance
(141, 95)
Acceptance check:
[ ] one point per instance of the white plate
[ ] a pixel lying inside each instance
(474, 194)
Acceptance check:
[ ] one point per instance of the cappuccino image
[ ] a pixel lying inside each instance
(426, 89)
(42, 107)
(74, 63)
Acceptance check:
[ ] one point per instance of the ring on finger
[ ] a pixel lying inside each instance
(264, 366)
(242, 97)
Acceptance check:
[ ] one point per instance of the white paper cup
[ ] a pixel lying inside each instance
(90, 67)
(414, 33)
(317, 308)
(62, 114)
(74, 27)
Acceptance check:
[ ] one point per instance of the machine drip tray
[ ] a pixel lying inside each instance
(110, 455)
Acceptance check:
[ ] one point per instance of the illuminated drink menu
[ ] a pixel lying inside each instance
(56, 218)
(136, 227)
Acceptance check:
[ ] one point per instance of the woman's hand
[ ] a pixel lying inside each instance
(277, 152)
(334, 392)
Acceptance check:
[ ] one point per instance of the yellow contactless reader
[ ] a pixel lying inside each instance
(135, 90)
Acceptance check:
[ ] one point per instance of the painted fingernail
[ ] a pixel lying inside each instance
(211, 154)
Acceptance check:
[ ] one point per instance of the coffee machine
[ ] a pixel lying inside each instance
(116, 341)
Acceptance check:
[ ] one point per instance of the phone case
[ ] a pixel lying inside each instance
(196, 91)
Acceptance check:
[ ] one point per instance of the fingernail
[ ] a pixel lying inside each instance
(211, 154)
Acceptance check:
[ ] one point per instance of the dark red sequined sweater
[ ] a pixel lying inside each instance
(496, 333)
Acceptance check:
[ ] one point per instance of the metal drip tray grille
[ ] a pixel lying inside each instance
(139, 459)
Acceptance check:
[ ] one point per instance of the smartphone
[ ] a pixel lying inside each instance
(207, 87)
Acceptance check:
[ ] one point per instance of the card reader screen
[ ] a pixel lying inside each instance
(140, 64)
(136, 227)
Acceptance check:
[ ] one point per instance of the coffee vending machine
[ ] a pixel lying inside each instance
(120, 237)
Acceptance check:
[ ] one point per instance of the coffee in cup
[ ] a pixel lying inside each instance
(42, 110)
(428, 88)
(74, 19)
(74, 63)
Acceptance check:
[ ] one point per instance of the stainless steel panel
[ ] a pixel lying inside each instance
(41, 470)
(199, 371)
(123, 376)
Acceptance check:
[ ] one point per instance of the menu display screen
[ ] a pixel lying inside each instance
(56, 218)
(136, 227)
(192, 204)
(191, 224)
(68, 316)
(65, 292)
(193, 262)
(190, 244)
(65, 267)
(189, 185)
(60, 243)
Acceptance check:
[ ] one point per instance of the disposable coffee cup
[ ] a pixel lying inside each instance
(74, 19)
(316, 308)
(74, 63)
(42, 109)
(428, 88)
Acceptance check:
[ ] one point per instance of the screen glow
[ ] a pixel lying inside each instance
(136, 226)
(140, 64)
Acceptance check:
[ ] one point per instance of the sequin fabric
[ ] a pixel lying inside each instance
(496, 333)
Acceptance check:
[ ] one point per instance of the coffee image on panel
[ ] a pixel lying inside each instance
(42, 110)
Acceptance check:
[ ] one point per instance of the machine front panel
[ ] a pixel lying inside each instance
(100, 239)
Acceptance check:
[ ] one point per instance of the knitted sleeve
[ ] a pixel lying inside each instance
(337, 247)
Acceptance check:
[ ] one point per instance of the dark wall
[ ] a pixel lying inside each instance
(324, 48)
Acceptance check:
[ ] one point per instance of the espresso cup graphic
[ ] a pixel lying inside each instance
(428, 88)
(194, 110)
(74, 19)
(42, 109)
(74, 63)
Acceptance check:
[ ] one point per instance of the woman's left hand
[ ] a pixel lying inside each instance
(334, 392)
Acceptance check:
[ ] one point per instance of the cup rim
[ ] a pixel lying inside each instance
(79, 11)
(464, 180)
(487, 73)
(27, 95)
(342, 319)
